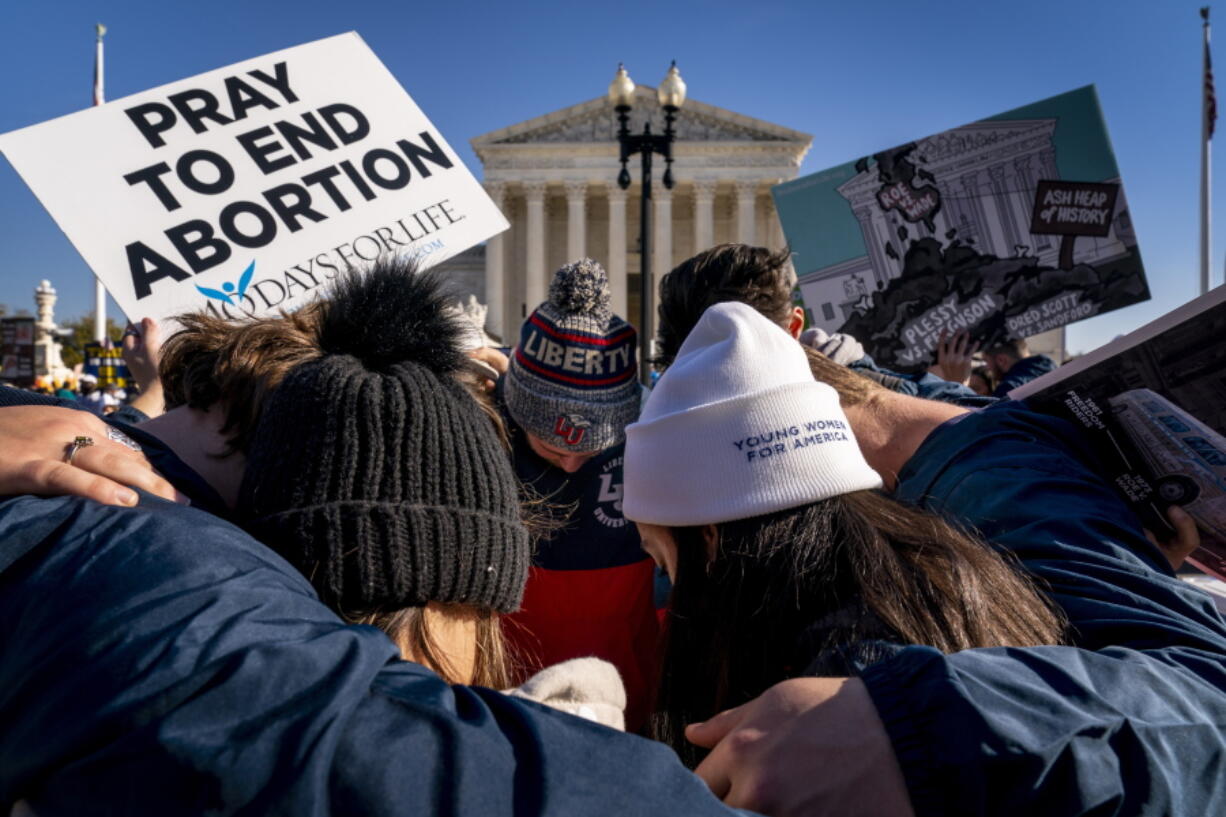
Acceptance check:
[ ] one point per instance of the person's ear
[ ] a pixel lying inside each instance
(710, 535)
(796, 324)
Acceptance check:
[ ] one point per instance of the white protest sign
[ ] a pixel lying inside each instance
(248, 188)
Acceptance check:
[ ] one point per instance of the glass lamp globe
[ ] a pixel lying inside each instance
(621, 89)
(671, 92)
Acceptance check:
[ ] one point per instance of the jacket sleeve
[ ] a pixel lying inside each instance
(128, 414)
(1056, 730)
(1023, 372)
(21, 397)
(1129, 720)
(157, 661)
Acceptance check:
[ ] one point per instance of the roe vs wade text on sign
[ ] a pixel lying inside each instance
(248, 188)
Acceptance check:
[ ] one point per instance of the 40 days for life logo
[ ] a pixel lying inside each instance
(229, 292)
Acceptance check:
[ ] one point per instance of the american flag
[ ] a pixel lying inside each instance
(1210, 97)
(98, 94)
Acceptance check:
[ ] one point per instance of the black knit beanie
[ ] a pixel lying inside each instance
(374, 472)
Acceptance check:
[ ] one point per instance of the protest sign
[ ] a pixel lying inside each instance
(1006, 227)
(17, 351)
(248, 188)
(107, 364)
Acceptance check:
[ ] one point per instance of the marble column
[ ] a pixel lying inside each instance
(662, 238)
(576, 221)
(495, 267)
(534, 267)
(777, 239)
(662, 248)
(746, 229)
(615, 265)
(704, 214)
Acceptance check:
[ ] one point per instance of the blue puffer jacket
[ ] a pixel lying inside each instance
(1131, 720)
(157, 660)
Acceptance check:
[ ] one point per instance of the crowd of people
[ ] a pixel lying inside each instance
(357, 559)
(131, 399)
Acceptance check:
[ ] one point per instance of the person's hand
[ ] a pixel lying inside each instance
(1187, 537)
(807, 746)
(955, 357)
(491, 364)
(35, 442)
(492, 358)
(142, 351)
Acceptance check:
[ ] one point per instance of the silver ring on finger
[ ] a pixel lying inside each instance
(76, 445)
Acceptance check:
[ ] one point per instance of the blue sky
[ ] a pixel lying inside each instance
(860, 76)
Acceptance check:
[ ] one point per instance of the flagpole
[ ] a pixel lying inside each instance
(1208, 113)
(99, 289)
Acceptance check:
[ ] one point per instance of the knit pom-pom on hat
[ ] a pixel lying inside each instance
(581, 288)
(391, 314)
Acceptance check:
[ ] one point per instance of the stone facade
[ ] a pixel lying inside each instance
(554, 177)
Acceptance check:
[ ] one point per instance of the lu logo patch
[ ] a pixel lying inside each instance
(571, 428)
(228, 291)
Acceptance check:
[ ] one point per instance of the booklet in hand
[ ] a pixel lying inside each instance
(1153, 404)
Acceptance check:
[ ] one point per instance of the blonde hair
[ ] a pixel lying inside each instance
(409, 628)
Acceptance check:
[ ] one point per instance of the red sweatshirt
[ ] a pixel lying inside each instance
(590, 588)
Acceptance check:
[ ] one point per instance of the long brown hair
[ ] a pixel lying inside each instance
(786, 587)
(409, 628)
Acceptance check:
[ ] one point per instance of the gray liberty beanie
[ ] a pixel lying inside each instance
(572, 379)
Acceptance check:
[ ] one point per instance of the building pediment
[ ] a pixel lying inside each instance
(595, 122)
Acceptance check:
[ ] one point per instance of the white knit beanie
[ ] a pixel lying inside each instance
(737, 427)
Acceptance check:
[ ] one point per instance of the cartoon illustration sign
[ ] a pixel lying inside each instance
(1006, 227)
(246, 189)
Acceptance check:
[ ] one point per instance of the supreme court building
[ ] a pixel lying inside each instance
(554, 177)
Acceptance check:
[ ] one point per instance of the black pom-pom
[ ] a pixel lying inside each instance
(581, 288)
(392, 314)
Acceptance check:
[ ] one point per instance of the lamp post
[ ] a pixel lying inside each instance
(671, 94)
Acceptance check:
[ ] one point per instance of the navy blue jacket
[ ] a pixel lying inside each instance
(1025, 370)
(1131, 720)
(157, 660)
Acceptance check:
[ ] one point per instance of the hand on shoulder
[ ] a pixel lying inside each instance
(806, 746)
